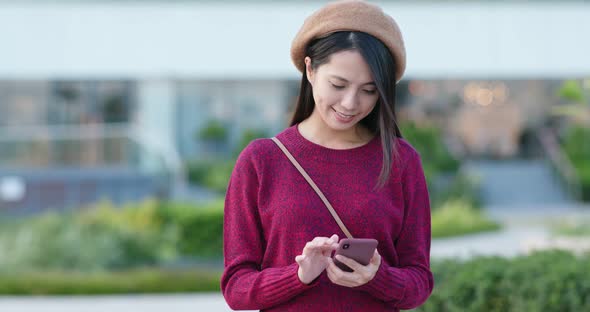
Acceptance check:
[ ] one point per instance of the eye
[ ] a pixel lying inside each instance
(337, 86)
(370, 91)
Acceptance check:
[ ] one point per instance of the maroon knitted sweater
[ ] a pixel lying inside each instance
(271, 212)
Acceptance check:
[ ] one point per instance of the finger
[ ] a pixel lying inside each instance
(339, 277)
(350, 263)
(317, 249)
(318, 239)
(334, 238)
(338, 273)
(310, 246)
(376, 259)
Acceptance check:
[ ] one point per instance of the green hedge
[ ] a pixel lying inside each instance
(200, 228)
(98, 283)
(544, 281)
(105, 237)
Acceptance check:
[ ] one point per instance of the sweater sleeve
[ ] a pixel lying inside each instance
(408, 285)
(244, 284)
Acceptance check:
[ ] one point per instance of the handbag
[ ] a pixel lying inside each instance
(314, 186)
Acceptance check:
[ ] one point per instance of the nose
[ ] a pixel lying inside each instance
(349, 100)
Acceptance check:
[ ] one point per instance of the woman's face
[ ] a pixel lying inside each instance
(343, 90)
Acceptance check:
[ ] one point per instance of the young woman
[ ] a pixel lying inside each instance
(278, 235)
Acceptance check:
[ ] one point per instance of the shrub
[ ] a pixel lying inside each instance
(213, 174)
(213, 131)
(459, 217)
(103, 237)
(543, 281)
(576, 144)
(200, 230)
(433, 151)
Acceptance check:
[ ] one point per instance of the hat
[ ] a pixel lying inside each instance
(350, 15)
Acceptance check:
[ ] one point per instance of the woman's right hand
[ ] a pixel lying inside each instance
(314, 258)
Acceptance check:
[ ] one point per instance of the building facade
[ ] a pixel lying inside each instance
(95, 85)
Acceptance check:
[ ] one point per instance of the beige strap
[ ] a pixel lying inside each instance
(314, 186)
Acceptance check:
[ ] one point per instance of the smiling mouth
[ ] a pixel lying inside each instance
(343, 115)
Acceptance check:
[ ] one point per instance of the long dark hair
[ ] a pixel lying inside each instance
(381, 120)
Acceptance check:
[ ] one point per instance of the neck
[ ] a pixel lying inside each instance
(319, 133)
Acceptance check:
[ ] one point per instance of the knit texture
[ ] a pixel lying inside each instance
(271, 213)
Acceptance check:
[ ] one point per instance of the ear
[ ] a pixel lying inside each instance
(308, 70)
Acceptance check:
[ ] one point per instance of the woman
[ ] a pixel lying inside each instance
(278, 234)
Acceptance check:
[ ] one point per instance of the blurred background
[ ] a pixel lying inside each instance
(120, 123)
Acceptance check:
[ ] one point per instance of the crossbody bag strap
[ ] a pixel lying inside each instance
(313, 185)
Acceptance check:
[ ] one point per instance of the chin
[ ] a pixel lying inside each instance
(335, 125)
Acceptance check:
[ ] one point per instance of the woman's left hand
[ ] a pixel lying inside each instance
(361, 275)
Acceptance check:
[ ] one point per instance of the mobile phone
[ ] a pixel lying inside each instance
(359, 249)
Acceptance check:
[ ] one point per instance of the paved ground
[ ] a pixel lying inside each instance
(142, 303)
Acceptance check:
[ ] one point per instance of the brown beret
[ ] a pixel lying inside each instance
(350, 15)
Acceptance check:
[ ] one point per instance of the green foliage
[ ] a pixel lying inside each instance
(99, 238)
(248, 136)
(441, 169)
(198, 171)
(459, 217)
(200, 230)
(544, 281)
(571, 90)
(572, 227)
(576, 144)
(434, 153)
(147, 280)
(104, 237)
(215, 174)
(213, 131)
(211, 174)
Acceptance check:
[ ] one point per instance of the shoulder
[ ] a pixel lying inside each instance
(406, 150)
(408, 156)
(259, 150)
(264, 151)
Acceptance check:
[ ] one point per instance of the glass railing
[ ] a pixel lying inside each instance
(68, 166)
(76, 146)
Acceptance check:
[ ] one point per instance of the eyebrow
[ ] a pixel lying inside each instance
(343, 79)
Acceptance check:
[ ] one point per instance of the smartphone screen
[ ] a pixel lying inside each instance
(359, 249)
